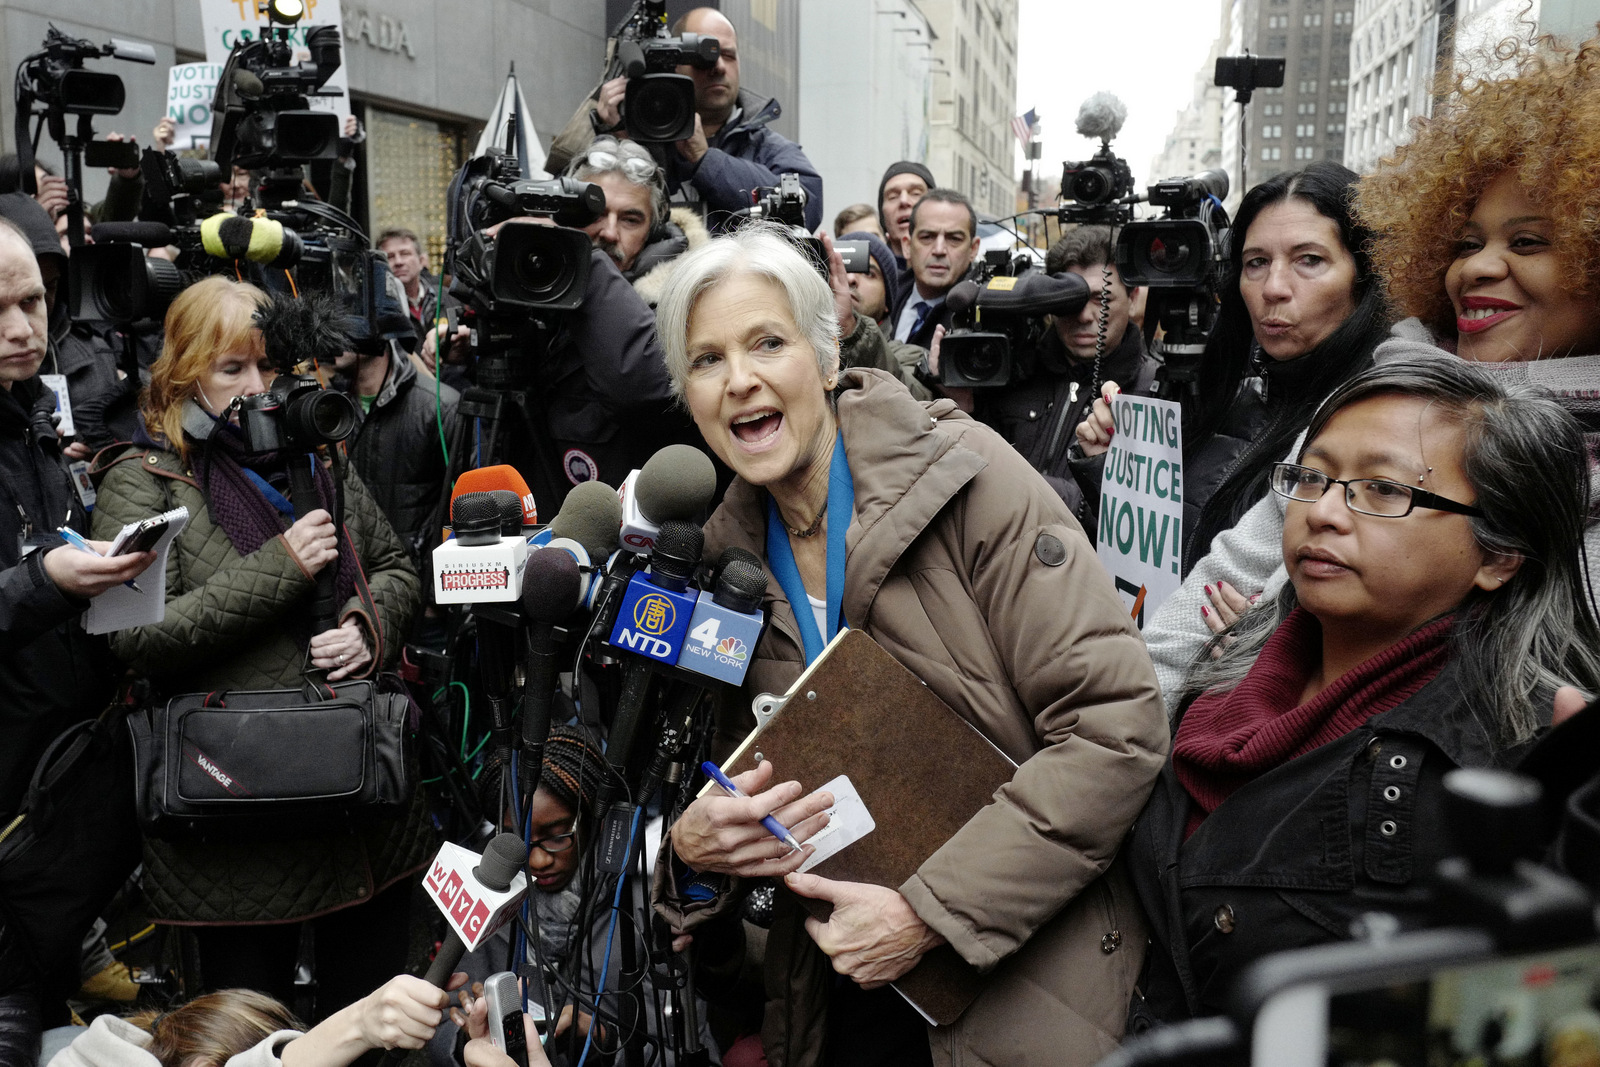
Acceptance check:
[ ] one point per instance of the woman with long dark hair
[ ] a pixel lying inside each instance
(1301, 312)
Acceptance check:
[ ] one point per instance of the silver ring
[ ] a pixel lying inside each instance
(341, 659)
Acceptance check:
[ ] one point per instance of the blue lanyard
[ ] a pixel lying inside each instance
(780, 556)
(275, 498)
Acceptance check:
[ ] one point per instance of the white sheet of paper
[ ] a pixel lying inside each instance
(120, 607)
(848, 822)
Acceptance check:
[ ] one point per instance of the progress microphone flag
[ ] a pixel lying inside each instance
(1022, 126)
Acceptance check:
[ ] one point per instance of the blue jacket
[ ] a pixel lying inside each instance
(744, 156)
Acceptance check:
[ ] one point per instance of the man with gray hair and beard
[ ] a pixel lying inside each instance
(638, 231)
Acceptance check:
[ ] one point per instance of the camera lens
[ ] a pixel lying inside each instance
(980, 362)
(330, 416)
(540, 271)
(659, 111)
(1169, 257)
(1090, 186)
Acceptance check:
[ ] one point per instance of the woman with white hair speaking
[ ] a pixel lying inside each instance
(923, 528)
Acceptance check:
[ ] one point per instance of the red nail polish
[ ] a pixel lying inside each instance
(1205, 612)
(1208, 591)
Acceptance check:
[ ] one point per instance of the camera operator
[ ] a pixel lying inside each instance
(944, 242)
(732, 152)
(641, 234)
(1040, 414)
(395, 448)
(52, 674)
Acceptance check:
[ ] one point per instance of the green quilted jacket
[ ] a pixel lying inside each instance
(227, 627)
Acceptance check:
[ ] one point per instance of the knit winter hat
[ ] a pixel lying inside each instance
(905, 166)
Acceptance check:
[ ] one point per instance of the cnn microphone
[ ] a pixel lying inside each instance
(726, 624)
(677, 482)
(551, 587)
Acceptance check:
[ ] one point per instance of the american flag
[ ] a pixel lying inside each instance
(1022, 126)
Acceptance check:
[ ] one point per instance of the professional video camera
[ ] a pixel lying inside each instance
(659, 105)
(1101, 186)
(528, 266)
(998, 325)
(260, 117)
(1182, 259)
(52, 84)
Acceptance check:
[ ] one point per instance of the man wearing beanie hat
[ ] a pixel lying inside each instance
(873, 294)
(902, 186)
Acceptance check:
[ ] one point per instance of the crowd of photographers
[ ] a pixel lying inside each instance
(536, 345)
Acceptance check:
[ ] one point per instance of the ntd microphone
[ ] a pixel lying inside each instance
(726, 624)
(677, 482)
(656, 608)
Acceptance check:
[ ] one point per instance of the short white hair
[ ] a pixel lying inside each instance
(761, 249)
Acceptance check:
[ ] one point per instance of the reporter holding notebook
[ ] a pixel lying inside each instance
(923, 528)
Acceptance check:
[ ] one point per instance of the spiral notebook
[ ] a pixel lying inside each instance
(913, 773)
(145, 602)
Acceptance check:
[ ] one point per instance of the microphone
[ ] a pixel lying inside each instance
(726, 624)
(677, 482)
(961, 297)
(501, 476)
(592, 516)
(483, 562)
(652, 621)
(550, 592)
(248, 84)
(144, 234)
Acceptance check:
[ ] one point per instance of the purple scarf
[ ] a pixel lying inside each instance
(248, 518)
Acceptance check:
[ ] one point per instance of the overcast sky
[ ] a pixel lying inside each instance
(1145, 52)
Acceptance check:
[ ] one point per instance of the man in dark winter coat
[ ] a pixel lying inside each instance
(733, 152)
(1040, 413)
(52, 674)
(944, 242)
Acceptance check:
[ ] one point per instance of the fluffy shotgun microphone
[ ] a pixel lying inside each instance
(300, 330)
(1102, 116)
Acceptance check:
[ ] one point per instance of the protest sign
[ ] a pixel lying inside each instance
(227, 21)
(190, 87)
(1141, 503)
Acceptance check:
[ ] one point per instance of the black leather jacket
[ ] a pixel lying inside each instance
(1294, 856)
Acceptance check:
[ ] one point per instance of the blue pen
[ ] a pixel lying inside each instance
(774, 827)
(75, 539)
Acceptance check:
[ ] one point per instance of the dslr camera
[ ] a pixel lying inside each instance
(296, 413)
(659, 105)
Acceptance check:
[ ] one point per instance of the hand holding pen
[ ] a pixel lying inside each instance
(724, 833)
(79, 568)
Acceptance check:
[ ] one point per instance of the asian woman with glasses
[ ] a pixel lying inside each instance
(1435, 602)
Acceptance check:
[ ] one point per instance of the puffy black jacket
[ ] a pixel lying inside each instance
(52, 674)
(396, 452)
(744, 156)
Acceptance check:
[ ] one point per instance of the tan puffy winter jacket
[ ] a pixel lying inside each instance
(966, 566)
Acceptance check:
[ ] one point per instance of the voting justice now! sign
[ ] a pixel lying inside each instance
(1140, 535)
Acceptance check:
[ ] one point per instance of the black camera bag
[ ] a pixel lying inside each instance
(272, 763)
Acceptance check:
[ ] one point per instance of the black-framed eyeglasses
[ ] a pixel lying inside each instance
(1365, 496)
(555, 842)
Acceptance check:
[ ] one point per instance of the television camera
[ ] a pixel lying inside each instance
(658, 107)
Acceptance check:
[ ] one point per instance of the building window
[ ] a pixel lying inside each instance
(1305, 152)
(1408, 63)
(1272, 131)
(1277, 42)
(410, 162)
(1308, 86)
(1335, 127)
(1337, 107)
(1313, 19)
(1269, 154)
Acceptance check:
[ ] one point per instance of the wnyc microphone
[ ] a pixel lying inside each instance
(677, 482)
(477, 894)
(484, 560)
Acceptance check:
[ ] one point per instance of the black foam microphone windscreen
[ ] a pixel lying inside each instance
(961, 298)
(476, 518)
(590, 515)
(146, 234)
(551, 586)
(510, 511)
(677, 482)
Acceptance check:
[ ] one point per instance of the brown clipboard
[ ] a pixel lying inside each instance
(921, 769)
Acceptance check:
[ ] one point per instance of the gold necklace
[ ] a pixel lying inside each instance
(816, 524)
